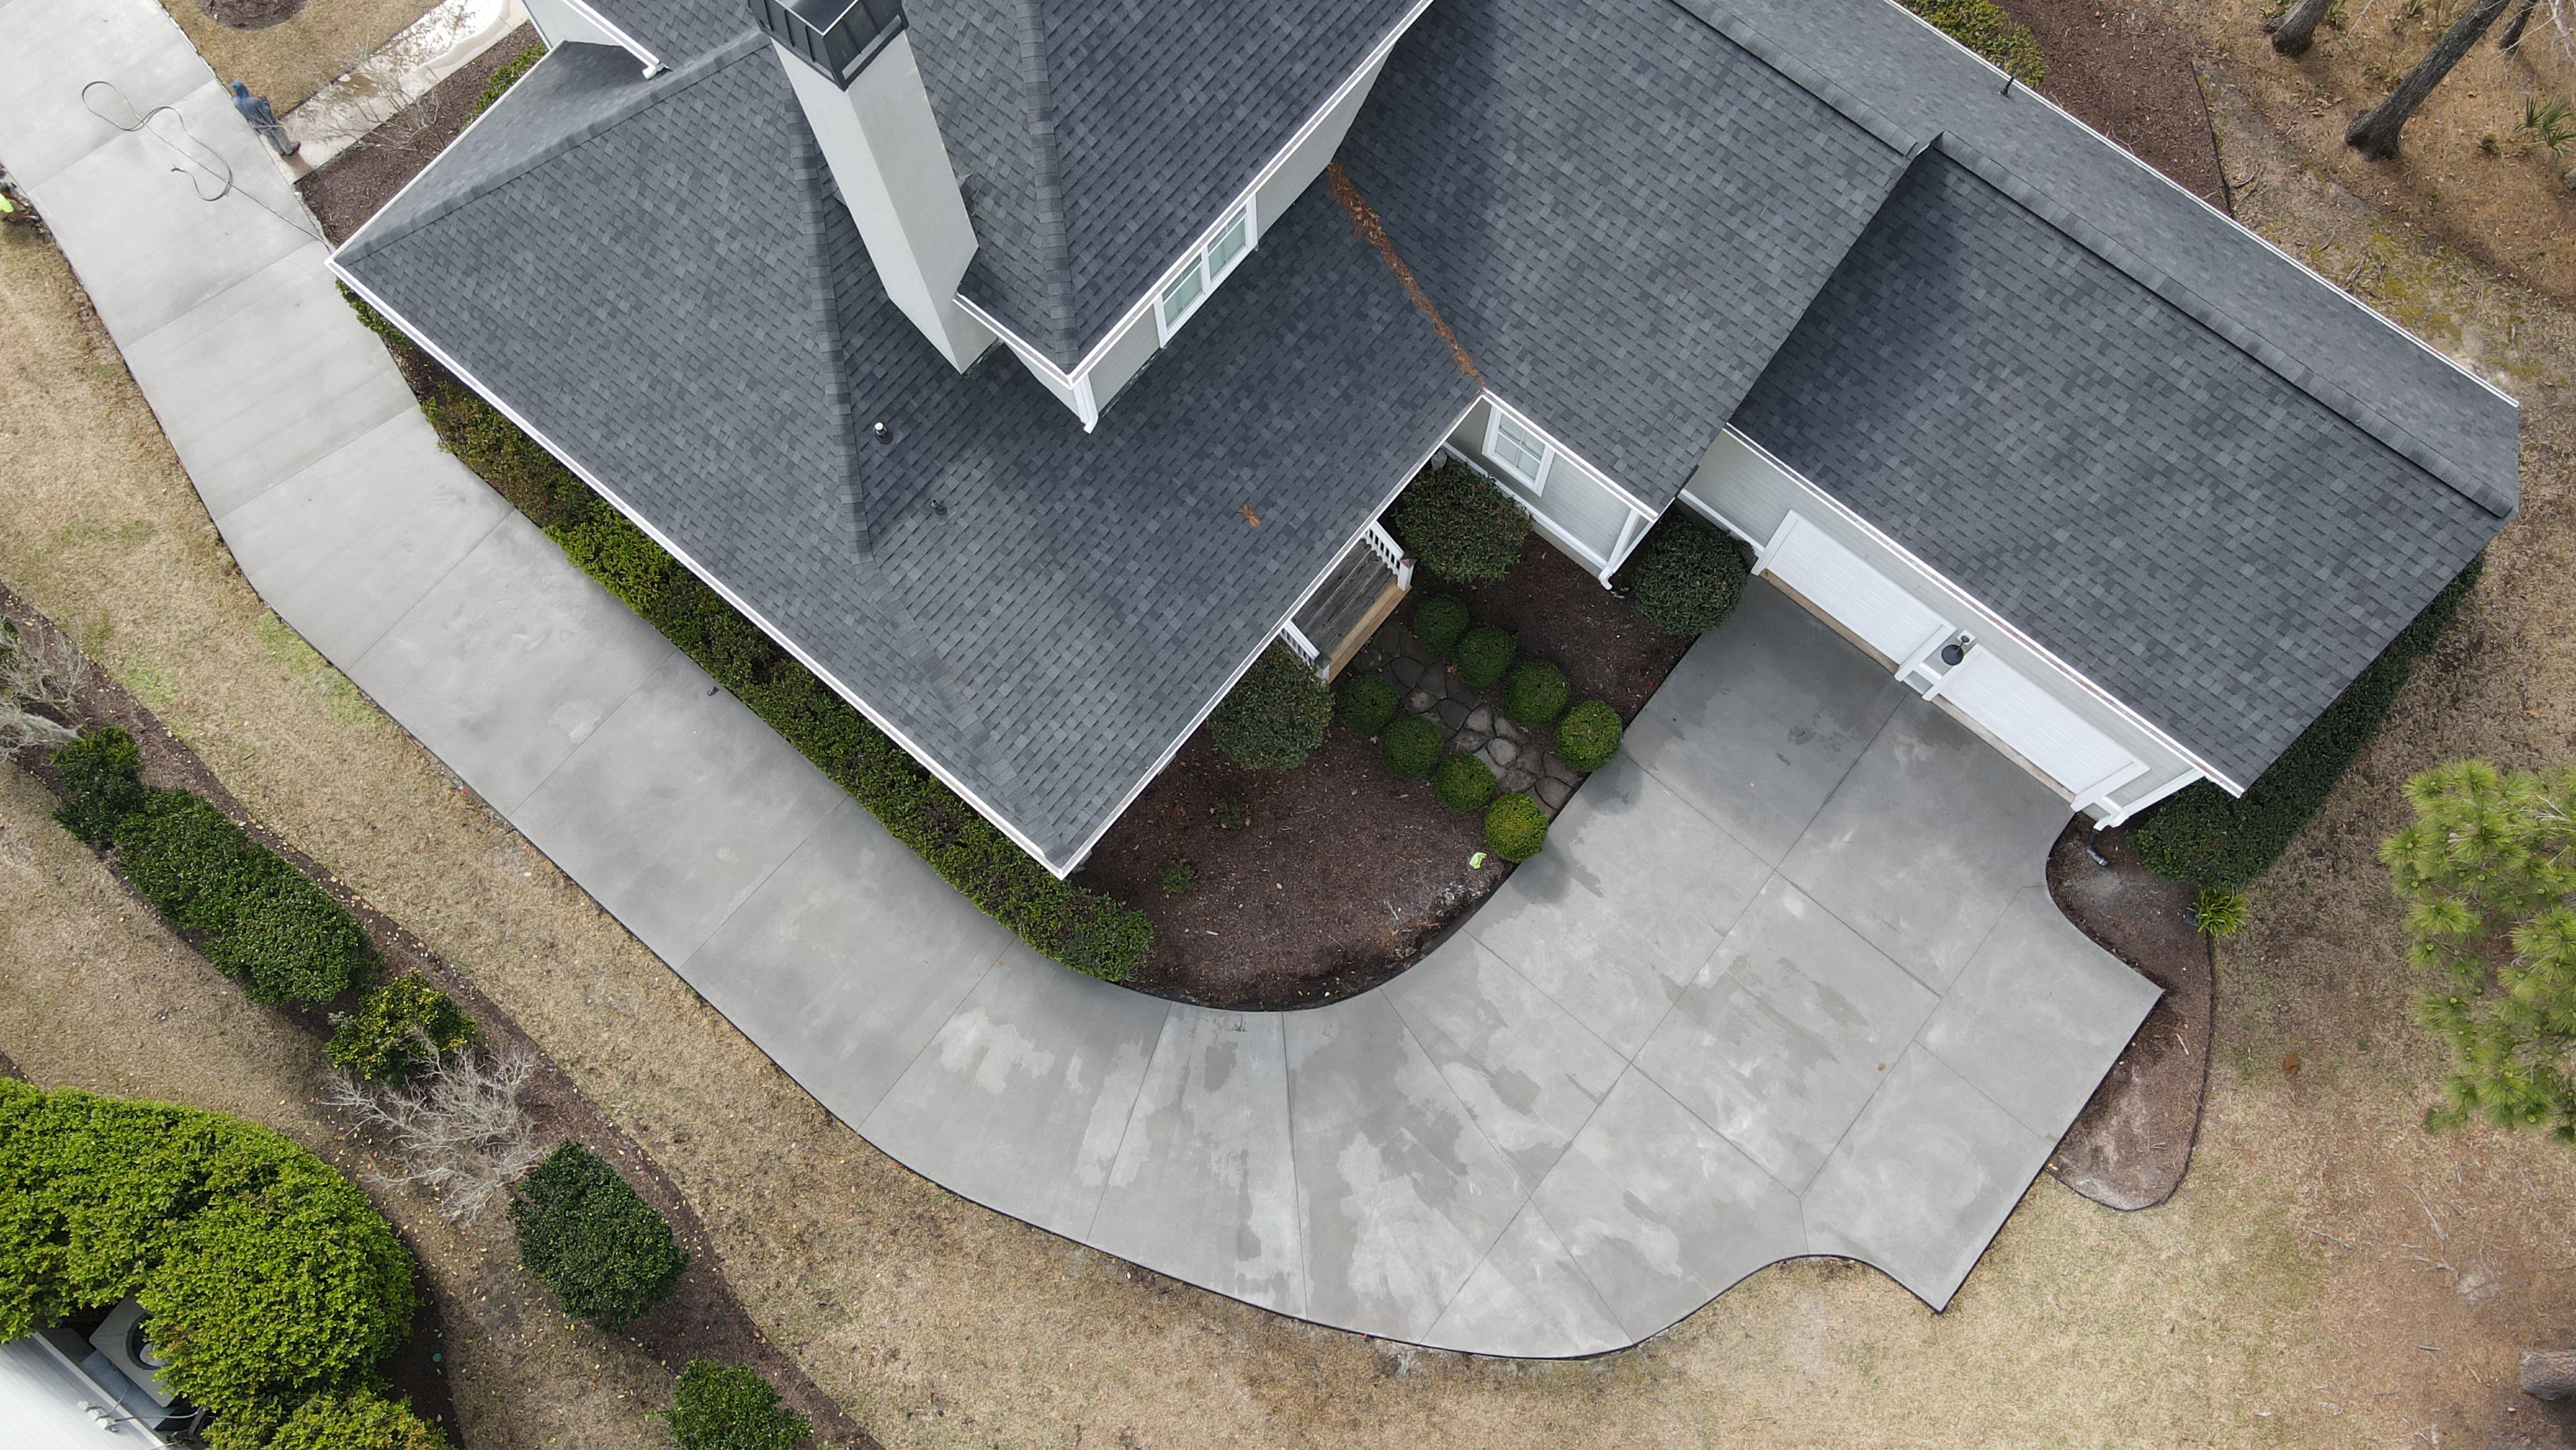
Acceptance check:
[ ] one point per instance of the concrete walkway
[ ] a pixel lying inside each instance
(1786, 981)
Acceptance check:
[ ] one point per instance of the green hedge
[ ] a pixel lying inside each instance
(263, 921)
(396, 1028)
(1589, 735)
(1412, 747)
(1485, 654)
(1459, 525)
(1368, 702)
(730, 1407)
(607, 1254)
(1275, 716)
(362, 1419)
(2207, 837)
(1982, 26)
(1463, 783)
(505, 76)
(1515, 827)
(1688, 575)
(267, 1276)
(101, 777)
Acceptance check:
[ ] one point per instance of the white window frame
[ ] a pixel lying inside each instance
(1551, 452)
(1202, 268)
(1536, 481)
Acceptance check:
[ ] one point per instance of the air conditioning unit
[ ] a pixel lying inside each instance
(122, 1340)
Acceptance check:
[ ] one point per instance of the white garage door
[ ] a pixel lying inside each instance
(1854, 595)
(2061, 744)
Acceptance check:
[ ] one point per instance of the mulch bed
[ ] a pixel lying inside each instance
(2132, 1143)
(360, 180)
(252, 14)
(703, 1319)
(1346, 875)
(2128, 76)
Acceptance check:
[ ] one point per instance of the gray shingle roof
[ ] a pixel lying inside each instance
(1620, 212)
(1096, 141)
(675, 31)
(680, 304)
(2170, 516)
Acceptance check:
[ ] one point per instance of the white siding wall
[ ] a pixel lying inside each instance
(1580, 511)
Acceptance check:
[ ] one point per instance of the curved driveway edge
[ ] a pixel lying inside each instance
(1786, 981)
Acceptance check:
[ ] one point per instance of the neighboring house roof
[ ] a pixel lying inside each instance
(1096, 142)
(1084, 596)
(2158, 508)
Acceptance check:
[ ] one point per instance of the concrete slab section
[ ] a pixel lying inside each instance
(1205, 1184)
(2039, 1014)
(1924, 1180)
(847, 961)
(1401, 1195)
(1021, 1100)
(317, 548)
(54, 49)
(1617, 915)
(509, 662)
(1927, 842)
(1762, 719)
(1785, 1038)
(1659, 1212)
(1528, 1073)
(1527, 1298)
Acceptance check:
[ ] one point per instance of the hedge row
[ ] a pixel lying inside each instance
(267, 1276)
(1982, 26)
(2207, 837)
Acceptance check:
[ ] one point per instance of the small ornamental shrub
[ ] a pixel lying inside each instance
(730, 1407)
(1515, 827)
(1275, 715)
(1438, 621)
(1412, 747)
(1459, 525)
(1368, 702)
(102, 782)
(1179, 878)
(1485, 654)
(1589, 735)
(505, 76)
(1534, 693)
(2219, 910)
(361, 1419)
(1231, 813)
(1982, 26)
(263, 921)
(1688, 576)
(373, 320)
(398, 1028)
(1463, 783)
(593, 1240)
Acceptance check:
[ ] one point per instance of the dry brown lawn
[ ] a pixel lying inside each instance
(289, 61)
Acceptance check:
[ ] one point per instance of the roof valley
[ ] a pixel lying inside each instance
(1054, 236)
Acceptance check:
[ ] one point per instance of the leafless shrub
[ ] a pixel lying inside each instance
(458, 1129)
(41, 671)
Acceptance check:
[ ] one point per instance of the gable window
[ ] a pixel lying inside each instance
(1519, 451)
(1577, 506)
(1183, 294)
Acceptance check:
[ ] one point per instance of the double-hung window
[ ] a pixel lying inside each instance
(1520, 452)
(1183, 294)
(1572, 502)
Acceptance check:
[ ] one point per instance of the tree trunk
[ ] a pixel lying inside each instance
(2513, 29)
(2549, 1374)
(2376, 133)
(2293, 33)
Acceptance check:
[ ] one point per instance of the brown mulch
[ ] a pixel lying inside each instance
(703, 1319)
(2132, 1143)
(2128, 76)
(252, 14)
(358, 181)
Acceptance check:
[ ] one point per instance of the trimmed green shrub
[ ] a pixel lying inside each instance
(263, 921)
(730, 1407)
(1485, 654)
(1459, 525)
(1463, 783)
(609, 547)
(1231, 813)
(504, 76)
(101, 776)
(1275, 716)
(1688, 576)
(267, 1276)
(1179, 878)
(1982, 26)
(2209, 838)
(396, 1028)
(1438, 621)
(1535, 692)
(591, 1238)
(361, 1419)
(1589, 735)
(532, 479)
(1412, 747)
(1367, 703)
(372, 319)
(1515, 827)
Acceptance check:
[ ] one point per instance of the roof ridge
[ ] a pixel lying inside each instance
(1055, 237)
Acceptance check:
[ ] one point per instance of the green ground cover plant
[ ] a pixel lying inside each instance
(505, 76)
(730, 1407)
(1515, 827)
(1179, 878)
(1411, 747)
(1367, 703)
(1688, 575)
(1982, 26)
(1458, 525)
(1275, 716)
(398, 1028)
(1534, 693)
(267, 1277)
(1438, 621)
(1589, 735)
(587, 1234)
(361, 1419)
(1484, 654)
(1463, 783)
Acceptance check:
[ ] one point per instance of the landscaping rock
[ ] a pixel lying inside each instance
(1481, 718)
(1509, 731)
(1467, 742)
(1517, 781)
(1558, 768)
(1501, 753)
(1420, 702)
(1454, 714)
(1407, 672)
(1554, 793)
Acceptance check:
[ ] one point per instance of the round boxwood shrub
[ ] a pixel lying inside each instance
(1463, 783)
(396, 1028)
(585, 1231)
(1515, 827)
(730, 1407)
(1367, 703)
(1588, 735)
(1484, 654)
(1411, 747)
(1535, 693)
(1275, 715)
(1438, 621)
(361, 1419)
(1688, 575)
(101, 775)
(1459, 525)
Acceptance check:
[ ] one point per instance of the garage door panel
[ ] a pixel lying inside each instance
(2037, 726)
(1857, 596)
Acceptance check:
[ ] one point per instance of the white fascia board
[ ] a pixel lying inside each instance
(1366, 69)
(875, 717)
(636, 48)
(1987, 613)
(369, 224)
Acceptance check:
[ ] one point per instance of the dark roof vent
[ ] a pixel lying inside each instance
(836, 37)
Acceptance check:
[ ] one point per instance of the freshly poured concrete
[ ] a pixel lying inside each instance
(1786, 981)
